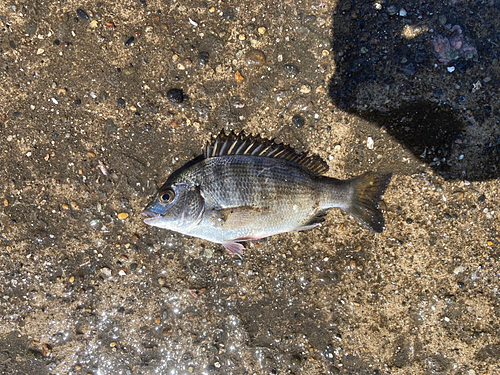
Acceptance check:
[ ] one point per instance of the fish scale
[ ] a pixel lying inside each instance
(245, 188)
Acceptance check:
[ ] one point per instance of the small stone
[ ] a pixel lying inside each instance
(175, 95)
(241, 37)
(120, 102)
(256, 57)
(91, 154)
(392, 10)
(112, 344)
(238, 77)
(262, 30)
(203, 58)
(106, 271)
(5, 202)
(305, 89)
(122, 215)
(74, 205)
(72, 279)
(39, 51)
(161, 281)
(135, 238)
(490, 243)
(16, 114)
(129, 41)
(82, 14)
(93, 24)
(403, 12)
(370, 143)
(325, 53)
(298, 121)
(65, 206)
(352, 264)
(291, 70)
(78, 102)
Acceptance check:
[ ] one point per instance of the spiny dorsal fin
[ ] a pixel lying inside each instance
(242, 144)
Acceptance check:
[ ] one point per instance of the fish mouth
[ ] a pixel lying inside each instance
(153, 217)
(150, 213)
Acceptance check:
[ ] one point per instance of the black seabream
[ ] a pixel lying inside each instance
(245, 187)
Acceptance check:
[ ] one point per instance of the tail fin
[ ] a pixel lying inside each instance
(367, 192)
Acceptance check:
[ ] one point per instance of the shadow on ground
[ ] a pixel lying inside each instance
(429, 83)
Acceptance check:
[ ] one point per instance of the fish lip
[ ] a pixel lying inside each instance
(150, 214)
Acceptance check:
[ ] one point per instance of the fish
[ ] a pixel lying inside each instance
(244, 188)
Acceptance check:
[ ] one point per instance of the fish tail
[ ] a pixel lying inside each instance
(367, 191)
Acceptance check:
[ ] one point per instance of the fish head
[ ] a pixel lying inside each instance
(178, 207)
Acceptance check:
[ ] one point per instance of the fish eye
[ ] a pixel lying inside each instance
(167, 196)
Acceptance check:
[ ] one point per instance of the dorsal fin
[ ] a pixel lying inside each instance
(242, 144)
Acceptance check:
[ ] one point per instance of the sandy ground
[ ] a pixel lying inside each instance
(89, 126)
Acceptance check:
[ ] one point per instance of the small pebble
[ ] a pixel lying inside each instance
(82, 14)
(291, 70)
(74, 205)
(392, 10)
(120, 102)
(262, 30)
(112, 344)
(161, 281)
(129, 41)
(65, 206)
(238, 77)
(135, 238)
(175, 95)
(203, 58)
(106, 271)
(298, 121)
(72, 279)
(6, 203)
(370, 143)
(305, 89)
(122, 215)
(255, 57)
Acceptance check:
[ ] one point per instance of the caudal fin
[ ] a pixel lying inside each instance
(367, 192)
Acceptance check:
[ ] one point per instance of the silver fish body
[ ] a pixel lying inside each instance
(246, 188)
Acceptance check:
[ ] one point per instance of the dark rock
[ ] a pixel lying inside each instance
(82, 14)
(481, 198)
(78, 102)
(203, 58)
(120, 102)
(175, 95)
(298, 121)
(16, 114)
(129, 41)
(228, 14)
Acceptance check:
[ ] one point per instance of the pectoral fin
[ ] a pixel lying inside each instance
(234, 248)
